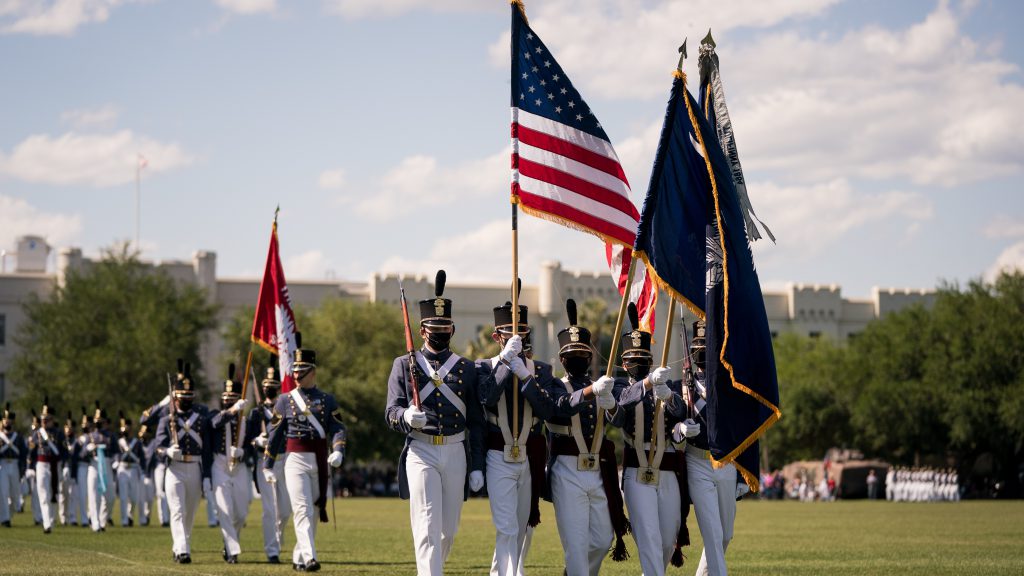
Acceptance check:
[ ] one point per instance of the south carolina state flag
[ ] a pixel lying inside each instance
(273, 327)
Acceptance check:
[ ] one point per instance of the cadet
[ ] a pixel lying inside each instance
(100, 449)
(231, 478)
(713, 491)
(516, 453)
(28, 482)
(184, 438)
(582, 471)
(67, 500)
(47, 452)
(131, 460)
(13, 458)
(653, 476)
(80, 469)
(157, 464)
(444, 435)
(273, 495)
(304, 420)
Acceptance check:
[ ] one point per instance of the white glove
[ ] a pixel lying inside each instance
(685, 429)
(662, 392)
(659, 376)
(476, 481)
(235, 452)
(239, 406)
(66, 473)
(606, 401)
(741, 490)
(519, 369)
(91, 447)
(173, 452)
(335, 459)
(268, 475)
(512, 348)
(415, 417)
(261, 441)
(603, 385)
(207, 486)
(30, 474)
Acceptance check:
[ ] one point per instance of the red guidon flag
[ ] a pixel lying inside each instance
(273, 328)
(564, 168)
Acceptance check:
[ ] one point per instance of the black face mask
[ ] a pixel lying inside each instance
(270, 392)
(184, 405)
(638, 371)
(439, 340)
(576, 366)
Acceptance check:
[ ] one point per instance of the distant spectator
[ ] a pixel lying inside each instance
(872, 485)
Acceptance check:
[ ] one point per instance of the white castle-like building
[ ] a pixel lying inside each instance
(811, 310)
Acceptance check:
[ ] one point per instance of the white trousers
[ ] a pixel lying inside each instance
(67, 501)
(147, 492)
(159, 481)
(276, 507)
(508, 489)
(99, 500)
(437, 483)
(128, 490)
(654, 512)
(10, 488)
(47, 509)
(82, 489)
(713, 493)
(300, 470)
(33, 493)
(581, 512)
(184, 486)
(232, 494)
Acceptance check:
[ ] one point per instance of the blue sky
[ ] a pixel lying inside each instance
(882, 141)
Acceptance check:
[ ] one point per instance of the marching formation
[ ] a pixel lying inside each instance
(922, 485)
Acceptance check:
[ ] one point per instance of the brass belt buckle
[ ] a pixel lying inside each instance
(586, 462)
(513, 453)
(648, 475)
(437, 440)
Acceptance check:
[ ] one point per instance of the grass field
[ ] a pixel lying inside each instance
(373, 537)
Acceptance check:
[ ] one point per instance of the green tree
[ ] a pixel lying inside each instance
(110, 333)
(595, 315)
(483, 346)
(815, 399)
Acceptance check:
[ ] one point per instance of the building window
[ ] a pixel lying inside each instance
(3, 330)
(814, 334)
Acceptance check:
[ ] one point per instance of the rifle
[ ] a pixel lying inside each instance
(409, 347)
(172, 412)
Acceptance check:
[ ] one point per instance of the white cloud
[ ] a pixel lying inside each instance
(388, 8)
(807, 220)
(1004, 226)
(248, 6)
(332, 179)
(102, 117)
(485, 253)
(54, 17)
(418, 181)
(926, 103)
(89, 159)
(19, 218)
(311, 265)
(1009, 259)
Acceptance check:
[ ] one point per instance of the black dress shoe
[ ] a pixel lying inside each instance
(312, 566)
(273, 560)
(131, 523)
(6, 523)
(165, 524)
(177, 557)
(46, 530)
(232, 560)
(184, 559)
(298, 567)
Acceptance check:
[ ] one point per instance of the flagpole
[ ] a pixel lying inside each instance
(599, 428)
(660, 405)
(515, 325)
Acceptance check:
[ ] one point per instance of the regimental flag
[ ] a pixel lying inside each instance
(273, 327)
(692, 237)
(712, 102)
(564, 168)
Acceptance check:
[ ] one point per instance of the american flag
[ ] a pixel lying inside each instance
(564, 168)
